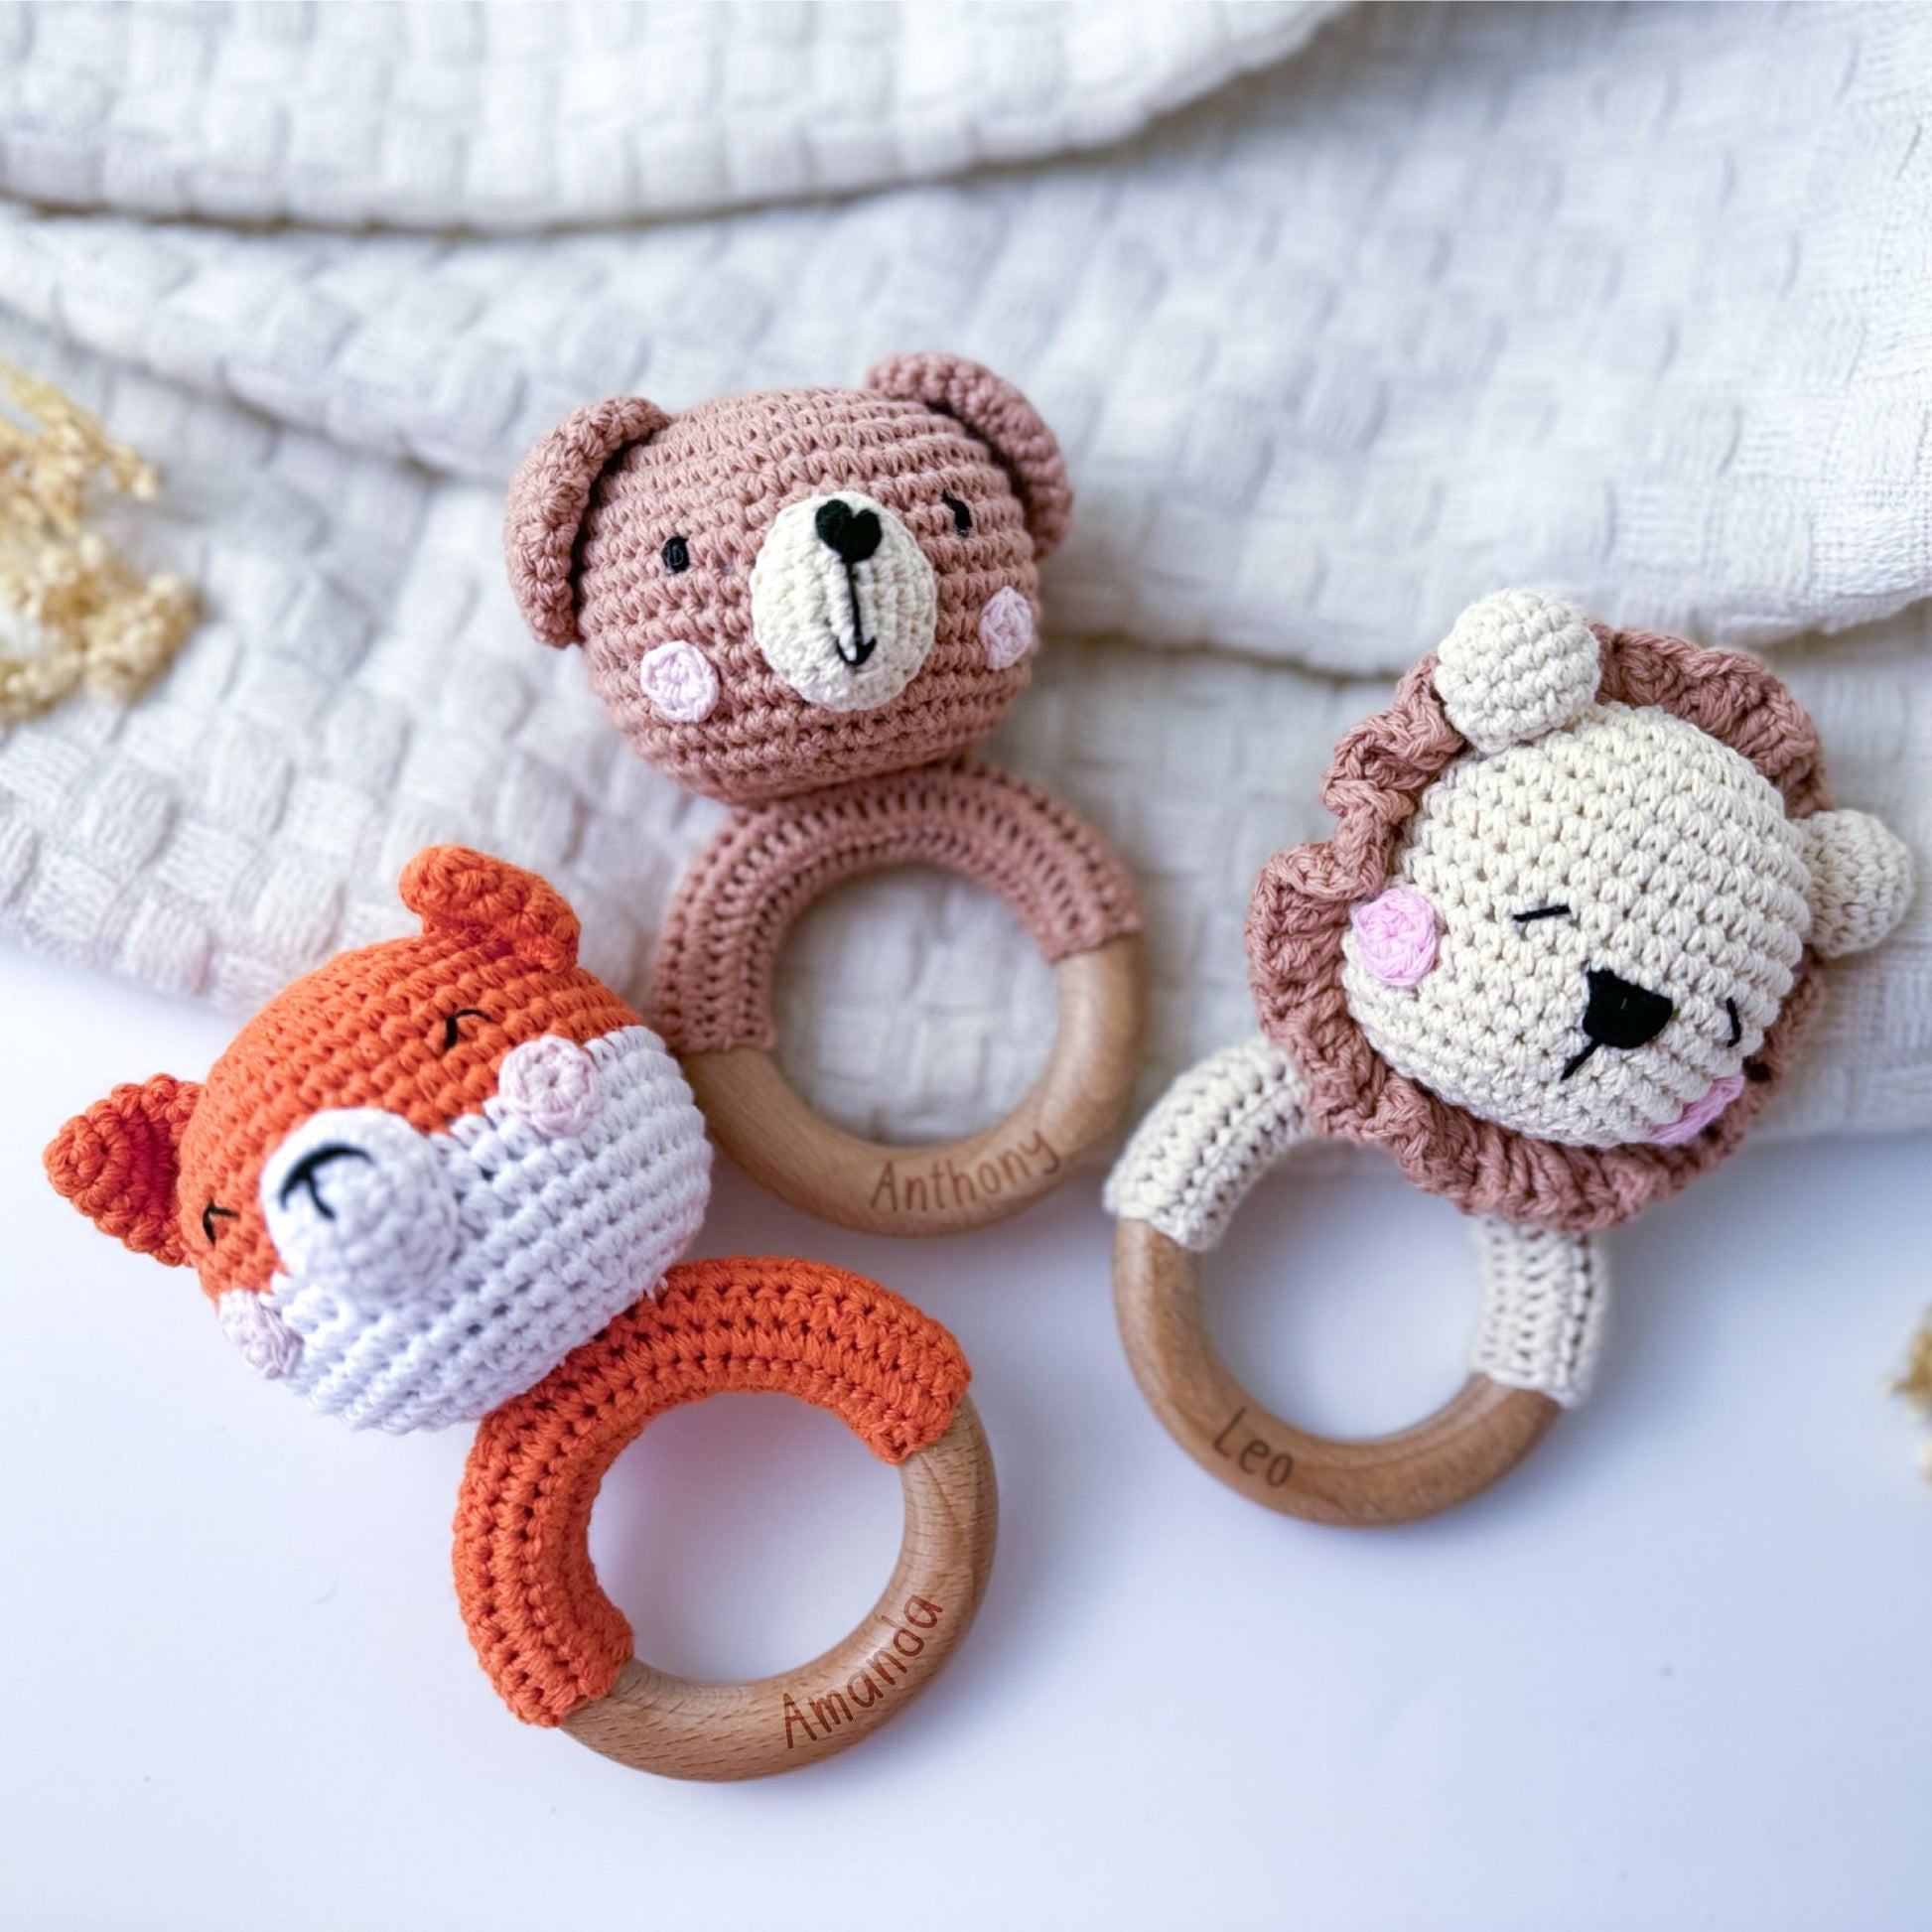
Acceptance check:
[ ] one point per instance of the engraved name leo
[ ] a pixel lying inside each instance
(883, 1673)
(1255, 1456)
(903, 1187)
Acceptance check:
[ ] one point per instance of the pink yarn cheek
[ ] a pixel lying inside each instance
(1006, 628)
(679, 681)
(551, 1084)
(1395, 936)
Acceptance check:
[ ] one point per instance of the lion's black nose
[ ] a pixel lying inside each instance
(1619, 1014)
(852, 535)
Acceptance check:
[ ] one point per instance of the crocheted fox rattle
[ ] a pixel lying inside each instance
(1561, 948)
(445, 1178)
(812, 604)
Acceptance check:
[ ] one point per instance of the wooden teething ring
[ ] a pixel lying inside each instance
(560, 1653)
(1176, 1187)
(712, 991)
(1480, 1434)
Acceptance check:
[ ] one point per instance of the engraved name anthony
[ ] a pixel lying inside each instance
(883, 1673)
(905, 1188)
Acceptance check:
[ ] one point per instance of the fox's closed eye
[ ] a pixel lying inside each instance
(453, 1024)
(209, 1214)
(1540, 913)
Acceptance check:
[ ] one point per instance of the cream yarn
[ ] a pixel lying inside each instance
(1227, 1121)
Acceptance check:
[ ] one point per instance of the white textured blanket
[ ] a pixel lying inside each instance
(1627, 301)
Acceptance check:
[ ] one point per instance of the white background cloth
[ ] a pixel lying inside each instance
(1626, 300)
(1670, 1674)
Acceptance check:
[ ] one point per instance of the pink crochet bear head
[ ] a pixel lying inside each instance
(1567, 936)
(782, 590)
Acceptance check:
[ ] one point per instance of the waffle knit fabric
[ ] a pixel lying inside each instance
(718, 955)
(424, 1172)
(546, 1634)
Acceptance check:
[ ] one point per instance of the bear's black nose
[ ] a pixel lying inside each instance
(852, 535)
(1618, 1014)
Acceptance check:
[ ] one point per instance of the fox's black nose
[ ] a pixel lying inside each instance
(1619, 1014)
(853, 535)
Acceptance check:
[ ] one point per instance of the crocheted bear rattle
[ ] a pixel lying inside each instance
(812, 604)
(1560, 949)
(445, 1178)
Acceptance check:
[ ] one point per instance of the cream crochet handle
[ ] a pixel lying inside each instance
(1228, 1120)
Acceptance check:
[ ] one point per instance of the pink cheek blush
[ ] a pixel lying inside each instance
(1700, 1113)
(680, 681)
(1395, 936)
(551, 1084)
(1006, 628)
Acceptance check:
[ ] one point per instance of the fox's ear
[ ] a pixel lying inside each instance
(120, 1162)
(458, 891)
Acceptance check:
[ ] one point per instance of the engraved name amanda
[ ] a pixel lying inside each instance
(809, 1719)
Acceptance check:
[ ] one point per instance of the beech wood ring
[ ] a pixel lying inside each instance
(559, 1651)
(711, 992)
(1480, 1434)
(679, 1727)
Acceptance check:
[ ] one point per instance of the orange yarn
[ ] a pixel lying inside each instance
(116, 1163)
(173, 1167)
(544, 1631)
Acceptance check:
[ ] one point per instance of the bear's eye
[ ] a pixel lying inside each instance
(208, 1215)
(678, 555)
(962, 518)
(1540, 913)
(453, 1024)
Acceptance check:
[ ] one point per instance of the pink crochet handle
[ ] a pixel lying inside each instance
(717, 963)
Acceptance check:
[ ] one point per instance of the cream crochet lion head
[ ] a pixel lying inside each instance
(1562, 944)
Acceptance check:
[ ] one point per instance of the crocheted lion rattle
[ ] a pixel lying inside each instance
(446, 1178)
(812, 604)
(1559, 951)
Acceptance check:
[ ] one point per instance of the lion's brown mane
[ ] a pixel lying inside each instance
(1301, 908)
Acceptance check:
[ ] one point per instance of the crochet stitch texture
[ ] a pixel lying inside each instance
(737, 530)
(718, 958)
(545, 1632)
(1300, 923)
(423, 1174)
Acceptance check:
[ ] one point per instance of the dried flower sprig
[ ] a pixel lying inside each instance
(92, 620)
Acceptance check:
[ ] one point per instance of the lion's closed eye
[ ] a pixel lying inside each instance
(1540, 913)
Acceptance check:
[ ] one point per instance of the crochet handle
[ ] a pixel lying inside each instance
(1223, 1124)
(1175, 1189)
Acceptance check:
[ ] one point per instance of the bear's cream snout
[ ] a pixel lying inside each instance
(845, 604)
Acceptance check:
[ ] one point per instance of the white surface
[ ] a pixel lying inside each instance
(1674, 1672)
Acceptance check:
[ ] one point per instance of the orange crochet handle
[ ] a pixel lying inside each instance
(555, 1647)
(712, 991)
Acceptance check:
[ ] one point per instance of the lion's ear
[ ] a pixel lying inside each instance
(1860, 880)
(1516, 665)
(120, 1162)
(459, 890)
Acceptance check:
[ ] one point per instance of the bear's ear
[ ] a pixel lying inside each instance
(470, 894)
(1861, 881)
(546, 506)
(1002, 418)
(1517, 664)
(120, 1162)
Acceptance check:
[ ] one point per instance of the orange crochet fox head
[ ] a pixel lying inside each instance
(421, 1174)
